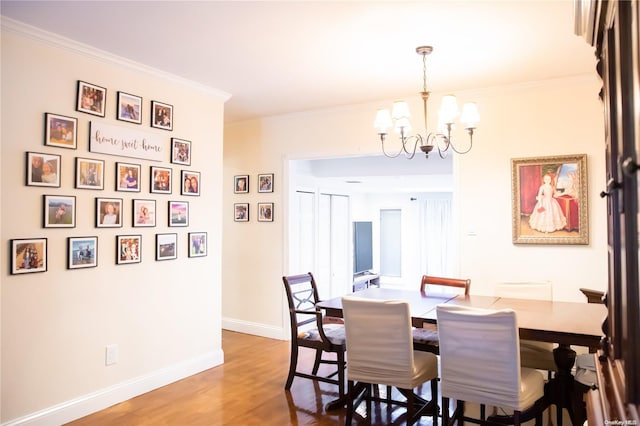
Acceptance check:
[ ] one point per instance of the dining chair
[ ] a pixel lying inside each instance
(480, 363)
(538, 355)
(425, 338)
(310, 329)
(380, 351)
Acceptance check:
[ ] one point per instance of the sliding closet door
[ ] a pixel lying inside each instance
(334, 237)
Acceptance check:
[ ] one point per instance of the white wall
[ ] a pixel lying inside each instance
(164, 316)
(554, 117)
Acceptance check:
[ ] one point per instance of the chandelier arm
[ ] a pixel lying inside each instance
(470, 131)
(404, 141)
(382, 139)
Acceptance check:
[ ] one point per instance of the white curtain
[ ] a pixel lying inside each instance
(437, 243)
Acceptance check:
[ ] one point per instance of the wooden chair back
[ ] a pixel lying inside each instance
(446, 282)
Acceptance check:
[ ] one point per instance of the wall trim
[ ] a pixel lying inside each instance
(104, 398)
(55, 40)
(256, 329)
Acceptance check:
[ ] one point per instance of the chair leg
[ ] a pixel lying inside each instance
(316, 364)
(445, 411)
(292, 366)
(410, 407)
(350, 397)
(341, 372)
(434, 400)
(516, 418)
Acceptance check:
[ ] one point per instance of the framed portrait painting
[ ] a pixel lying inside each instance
(180, 151)
(108, 212)
(59, 211)
(82, 252)
(89, 173)
(197, 244)
(128, 177)
(265, 182)
(61, 131)
(161, 115)
(190, 183)
(91, 98)
(129, 249)
(129, 108)
(43, 169)
(144, 213)
(28, 255)
(166, 246)
(549, 197)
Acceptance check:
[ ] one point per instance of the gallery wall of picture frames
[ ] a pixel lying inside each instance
(45, 169)
(264, 210)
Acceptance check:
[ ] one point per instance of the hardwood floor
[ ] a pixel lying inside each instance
(247, 390)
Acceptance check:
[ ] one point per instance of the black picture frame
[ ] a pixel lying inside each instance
(190, 183)
(129, 108)
(89, 173)
(128, 249)
(241, 212)
(241, 184)
(128, 177)
(265, 212)
(161, 115)
(91, 98)
(144, 213)
(82, 252)
(109, 212)
(28, 255)
(161, 178)
(166, 246)
(178, 213)
(60, 131)
(181, 151)
(43, 169)
(59, 211)
(265, 182)
(197, 244)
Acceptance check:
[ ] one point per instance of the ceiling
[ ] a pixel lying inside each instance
(277, 57)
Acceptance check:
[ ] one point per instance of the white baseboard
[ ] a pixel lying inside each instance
(256, 329)
(104, 398)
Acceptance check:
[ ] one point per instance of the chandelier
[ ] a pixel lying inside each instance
(398, 118)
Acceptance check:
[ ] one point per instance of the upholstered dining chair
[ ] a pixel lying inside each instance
(380, 351)
(426, 337)
(480, 363)
(309, 329)
(538, 355)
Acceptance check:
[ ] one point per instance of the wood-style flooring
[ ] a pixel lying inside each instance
(247, 390)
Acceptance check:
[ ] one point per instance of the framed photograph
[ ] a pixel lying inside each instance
(61, 131)
(241, 184)
(180, 151)
(28, 255)
(43, 169)
(265, 182)
(190, 183)
(549, 196)
(59, 211)
(241, 212)
(129, 108)
(197, 244)
(128, 177)
(129, 249)
(166, 246)
(89, 173)
(161, 115)
(82, 252)
(178, 213)
(91, 98)
(108, 212)
(144, 213)
(160, 180)
(265, 212)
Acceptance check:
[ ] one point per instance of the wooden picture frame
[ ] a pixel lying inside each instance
(89, 173)
(43, 169)
(144, 213)
(59, 211)
(265, 212)
(28, 255)
(128, 177)
(161, 115)
(128, 249)
(129, 108)
(241, 184)
(60, 131)
(190, 183)
(82, 252)
(197, 244)
(109, 212)
(549, 196)
(181, 151)
(241, 212)
(91, 98)
(160, 180)
(178, 213)
(265, 182)
(166, 246)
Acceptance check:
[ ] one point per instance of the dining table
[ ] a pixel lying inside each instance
(560, 322)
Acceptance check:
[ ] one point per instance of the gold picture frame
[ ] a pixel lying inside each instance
(549, 197)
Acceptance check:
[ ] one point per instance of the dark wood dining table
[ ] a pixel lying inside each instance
(564, 323)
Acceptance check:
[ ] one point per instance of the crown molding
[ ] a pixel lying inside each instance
(55, 40)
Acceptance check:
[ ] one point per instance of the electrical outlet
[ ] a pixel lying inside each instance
(111, 355)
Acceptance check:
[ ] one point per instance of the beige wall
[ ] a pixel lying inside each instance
(539, 119)
(164, 316)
